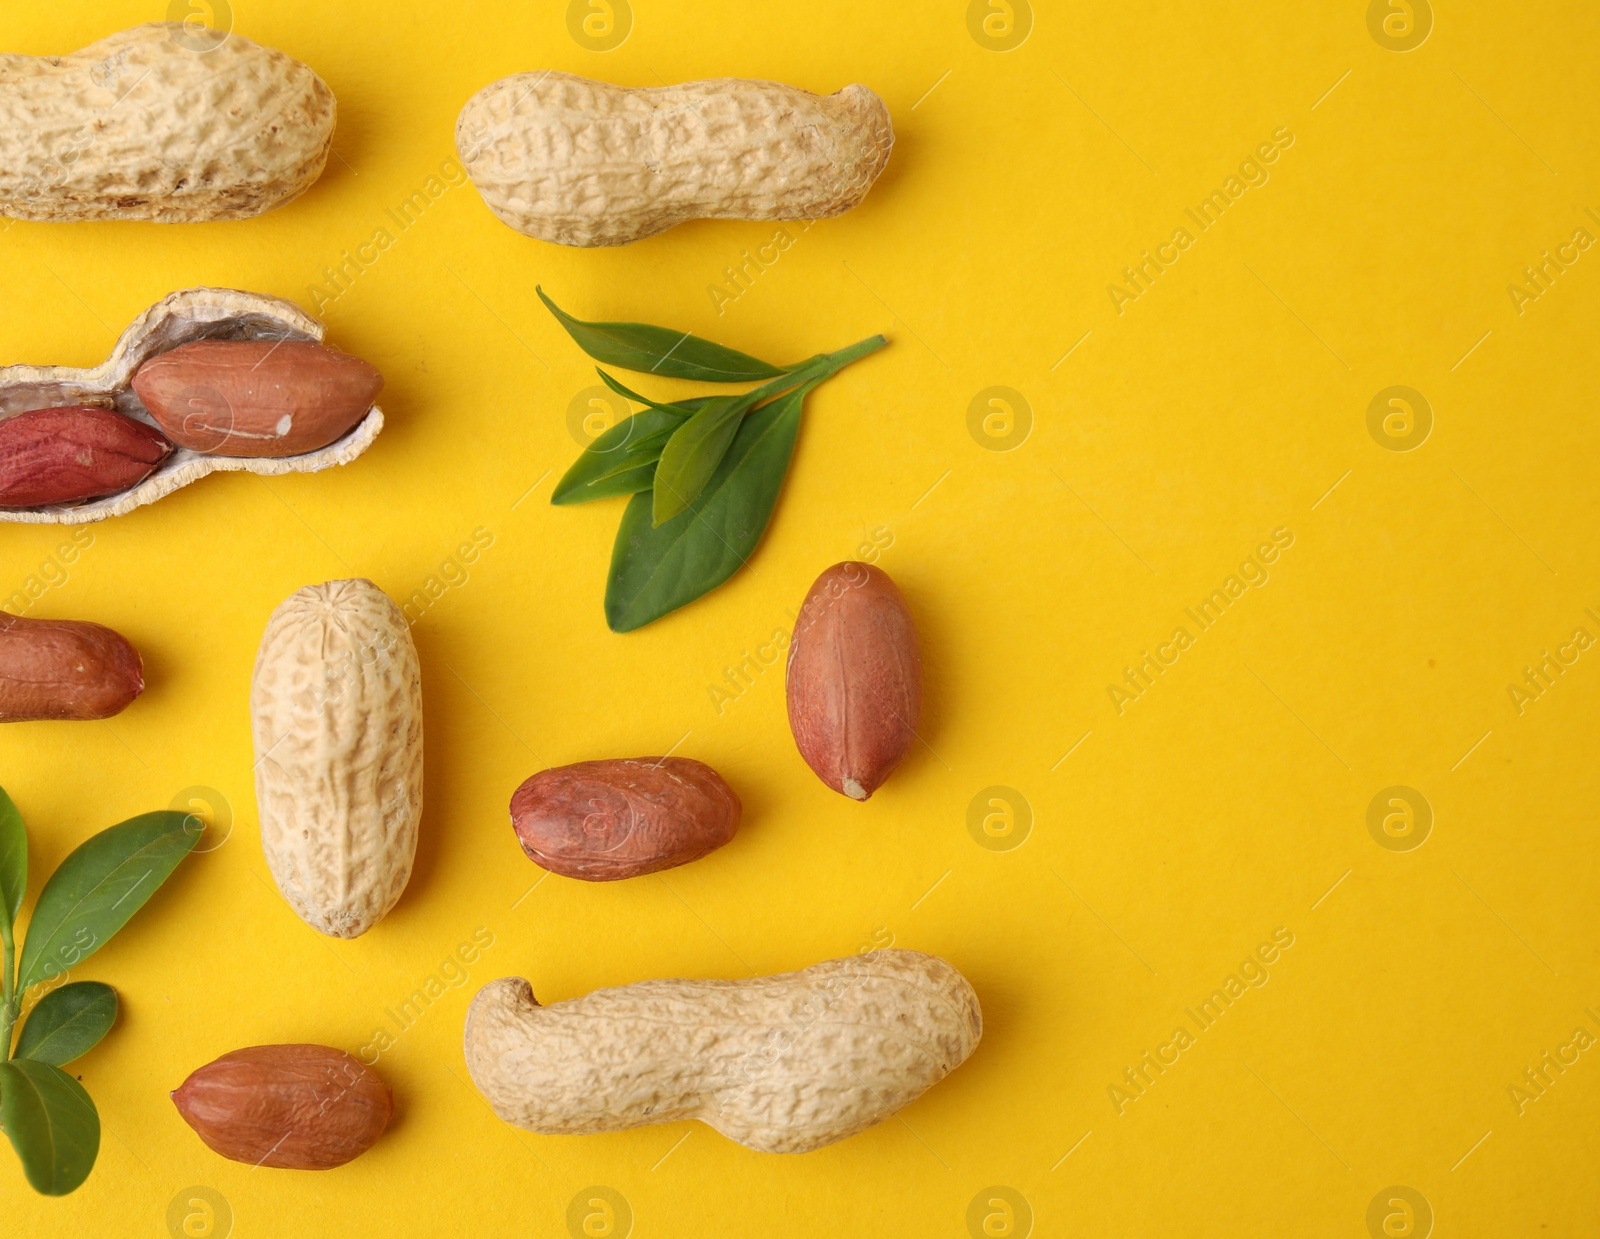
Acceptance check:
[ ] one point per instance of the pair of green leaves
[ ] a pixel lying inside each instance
(704, 473)
(677, 448)
(49, 1118)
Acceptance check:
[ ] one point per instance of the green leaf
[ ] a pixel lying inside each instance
(627, 393)
(660, 350)
(68, 1022)
(644, 459)
(651, 444)
(693, 453)
(53, 1125)
(623, 481)
(13, 860)
(98, 887)
(659, 568)
(633, 443)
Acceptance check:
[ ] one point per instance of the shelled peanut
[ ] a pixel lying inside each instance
(606, 820)
(293, 1107)
(256, 397)
(64, 455)
(64, 669)
(854, 679)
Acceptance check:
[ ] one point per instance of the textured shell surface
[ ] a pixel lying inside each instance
(178, 319)
(159, 123)
(336, 712)
(579, 162)
(781, 1064)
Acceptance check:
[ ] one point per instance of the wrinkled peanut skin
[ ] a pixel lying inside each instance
(256, 397)
(64, 455)
(295, 1107)
(64, 669)
(606, 820)
(854, 679)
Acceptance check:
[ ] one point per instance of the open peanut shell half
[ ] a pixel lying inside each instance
(182, 318)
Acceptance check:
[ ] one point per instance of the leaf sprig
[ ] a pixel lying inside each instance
(49, 1118)
(704, 473)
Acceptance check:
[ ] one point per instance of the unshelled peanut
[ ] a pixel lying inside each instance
(782, 1064)
(580, 162)
(336, 708)
(167, 122)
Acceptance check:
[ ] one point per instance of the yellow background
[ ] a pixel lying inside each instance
(1228, 801)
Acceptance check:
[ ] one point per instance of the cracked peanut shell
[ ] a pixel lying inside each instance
(181, 318)
(580, 162)
(336, 713)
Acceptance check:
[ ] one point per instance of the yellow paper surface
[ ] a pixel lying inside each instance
(1105, 821)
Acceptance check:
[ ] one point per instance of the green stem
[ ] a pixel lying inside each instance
(856, 351)
(9, 999)
(822, 366)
